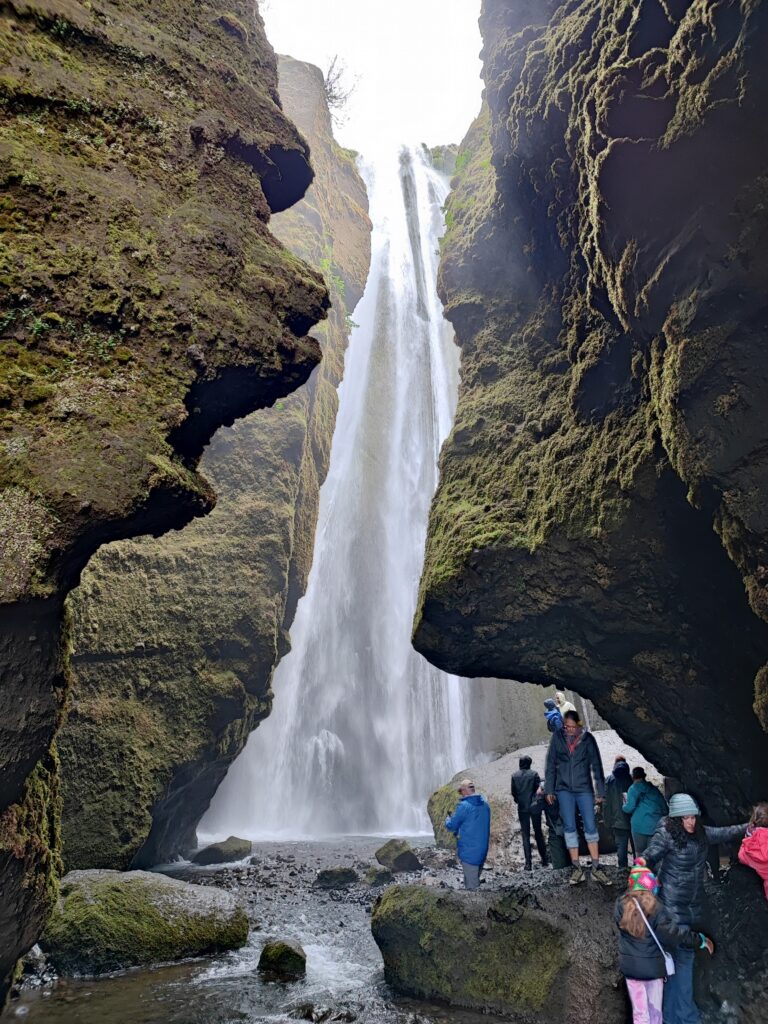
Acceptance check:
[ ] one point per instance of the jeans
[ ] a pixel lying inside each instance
(526, 819)
(641, 841)
(679, 1007)
(622, 837)
(471, 875)
(586, 804)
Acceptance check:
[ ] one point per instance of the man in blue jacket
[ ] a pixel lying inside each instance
(471, 822)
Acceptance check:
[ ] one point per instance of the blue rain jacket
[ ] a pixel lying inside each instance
(471, 822)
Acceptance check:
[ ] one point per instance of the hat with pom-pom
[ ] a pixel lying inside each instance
(641, 878)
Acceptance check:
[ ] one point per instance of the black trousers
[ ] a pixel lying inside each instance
(526, 818)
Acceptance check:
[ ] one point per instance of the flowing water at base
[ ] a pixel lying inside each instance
(344, 968)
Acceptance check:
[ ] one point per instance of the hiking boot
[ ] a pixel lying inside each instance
(577, 875)
(528, 866)
(600, 876)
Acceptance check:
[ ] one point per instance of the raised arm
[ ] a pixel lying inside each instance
(453, 824)
(726, 834)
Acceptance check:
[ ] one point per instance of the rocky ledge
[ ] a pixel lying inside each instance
(144, 303)
(601, 516)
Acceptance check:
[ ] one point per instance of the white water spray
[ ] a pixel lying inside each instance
(363, 728)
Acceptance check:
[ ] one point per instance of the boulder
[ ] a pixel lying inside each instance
(110, 920)
(378, 876)
(548, 958)
(335, 878)
(397, 855)
(283, 961)
(224, 853)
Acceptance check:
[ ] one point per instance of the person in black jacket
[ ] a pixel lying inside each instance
(573, 761)
(641, 961)
(525, 787)
(677, 853)
(616, 786)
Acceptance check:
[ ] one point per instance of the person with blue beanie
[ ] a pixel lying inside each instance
(471, 823)
(677, 853)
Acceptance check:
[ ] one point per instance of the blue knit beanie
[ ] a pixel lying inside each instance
(682, 806)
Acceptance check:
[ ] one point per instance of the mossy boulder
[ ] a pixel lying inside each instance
(283, 961)
(107, 921)
(397, 855)
(376, 877)
(225, 852)
(492, 953)
(335, 878)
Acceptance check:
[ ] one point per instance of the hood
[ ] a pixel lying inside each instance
(475, 799)
(549, 704)
(621, 771)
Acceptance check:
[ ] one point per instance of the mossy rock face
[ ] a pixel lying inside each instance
(283, 961)
(223, 853)
(397, 855)
(199, 618)
(600, 519)
(106, 921)
(335, 878)
(491, 953)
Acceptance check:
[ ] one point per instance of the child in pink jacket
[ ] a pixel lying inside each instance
(754, 846)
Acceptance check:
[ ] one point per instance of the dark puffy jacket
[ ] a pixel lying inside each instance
(641, 958)
(682, 869)
(471, 821)
(616, 785)
(573, 771)
(525, 783)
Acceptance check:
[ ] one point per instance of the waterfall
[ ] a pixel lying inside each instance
(363, 728)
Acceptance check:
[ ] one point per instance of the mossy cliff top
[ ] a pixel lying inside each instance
(600, 521)
(199, 618)
(143, 300)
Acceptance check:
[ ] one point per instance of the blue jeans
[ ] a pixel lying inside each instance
(586, 803)
(679, 1007)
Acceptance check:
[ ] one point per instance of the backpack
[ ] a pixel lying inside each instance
(554, 719)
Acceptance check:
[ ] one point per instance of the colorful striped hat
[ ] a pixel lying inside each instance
(642, 878)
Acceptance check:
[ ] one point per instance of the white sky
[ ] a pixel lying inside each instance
(417, 62)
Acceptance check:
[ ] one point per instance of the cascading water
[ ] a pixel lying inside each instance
(363, 728)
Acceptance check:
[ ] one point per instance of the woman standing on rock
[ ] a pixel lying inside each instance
(646, 807)
(573, 761)
(677, 853)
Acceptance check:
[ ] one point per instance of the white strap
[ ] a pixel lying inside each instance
(648, 926)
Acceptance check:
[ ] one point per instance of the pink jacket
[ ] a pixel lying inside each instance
(754, 853)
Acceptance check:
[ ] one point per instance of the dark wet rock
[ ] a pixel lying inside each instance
(222, 853)
(107, 921)
(335, 878)
(378, 876)
(397, 855)
(530, 959)
(283, 961)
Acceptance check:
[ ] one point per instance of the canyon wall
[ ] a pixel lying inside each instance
(175, 639)
(144, 304)
(600, 521)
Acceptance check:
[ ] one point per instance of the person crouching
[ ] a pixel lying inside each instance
(646, 930)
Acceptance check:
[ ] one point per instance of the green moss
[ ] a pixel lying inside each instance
(441, 805)
(114, 923)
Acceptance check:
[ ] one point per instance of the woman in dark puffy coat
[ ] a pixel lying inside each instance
(677, 853)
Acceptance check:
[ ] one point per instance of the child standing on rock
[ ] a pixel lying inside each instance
(645, 928)
(754, 848)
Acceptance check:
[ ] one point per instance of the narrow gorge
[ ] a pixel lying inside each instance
(332, 445)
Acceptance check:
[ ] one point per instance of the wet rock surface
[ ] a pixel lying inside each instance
(283, 961)
(223, 853)
(397, 855)
(335, 878)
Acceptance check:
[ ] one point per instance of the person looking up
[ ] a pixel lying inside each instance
(574, 769)
(646, 807)
(471, 823)
(525, 787)
(677, 853)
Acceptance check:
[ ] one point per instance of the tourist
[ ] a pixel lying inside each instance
(754, 849)
(563, 704)
(614, 816)
(646, 807)
(574, 768)
(646, 930)
(471, 823)
(526, 784)
(677, 853)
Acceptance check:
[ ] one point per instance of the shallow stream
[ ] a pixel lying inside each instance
(344, 969)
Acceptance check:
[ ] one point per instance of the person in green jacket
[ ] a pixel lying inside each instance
(646, 807)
